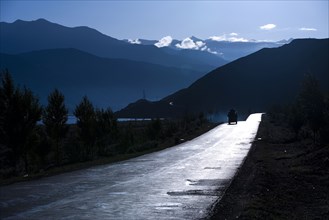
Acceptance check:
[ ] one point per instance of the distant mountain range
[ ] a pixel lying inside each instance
(229, 50)
(25, 36)
(249, 84)
(82, 61)
(44, 55)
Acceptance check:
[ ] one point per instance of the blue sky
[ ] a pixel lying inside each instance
(235, 20)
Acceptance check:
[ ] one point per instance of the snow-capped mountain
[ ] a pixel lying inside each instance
(229, 47)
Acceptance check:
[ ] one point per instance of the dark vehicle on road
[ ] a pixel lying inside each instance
(232, 117)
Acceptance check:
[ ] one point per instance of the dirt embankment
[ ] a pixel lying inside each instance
(280, 179)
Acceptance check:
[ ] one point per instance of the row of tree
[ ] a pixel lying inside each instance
(35, 137)
(25, 143)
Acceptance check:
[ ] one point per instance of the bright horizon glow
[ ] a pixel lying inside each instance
(154, 20)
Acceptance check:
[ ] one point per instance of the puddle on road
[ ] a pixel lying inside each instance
(196, 192)
(207, 182)
(118, 193)
(212, 168)
(244, 144)
(168, 206)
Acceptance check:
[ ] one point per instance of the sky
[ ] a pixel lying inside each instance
(219, 20)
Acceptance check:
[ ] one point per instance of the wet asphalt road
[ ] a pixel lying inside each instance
(181, 182)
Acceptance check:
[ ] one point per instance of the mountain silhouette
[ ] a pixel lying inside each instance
(252, 83)
(107, 82)
(25, 36)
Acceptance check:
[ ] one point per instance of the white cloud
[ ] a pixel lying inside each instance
(136, 41)
(237, 39)
(164, 42)
(218, 38)
(200, 44)
(267, 27)
(307, 29)
(188, 43)
(232, 38)
(213, 52)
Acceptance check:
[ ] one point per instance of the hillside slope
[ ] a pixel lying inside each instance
(249, 84)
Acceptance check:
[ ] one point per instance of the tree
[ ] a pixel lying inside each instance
(107, 130)
(54, 118)
(325, 130)
(7, 90)
(28, 112)
(154, 129)
(127, 138)
(312, 103)
(296, 118)
(86, 122)
(21, 111)
(6, 97)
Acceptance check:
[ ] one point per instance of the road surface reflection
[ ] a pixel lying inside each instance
(181, 182)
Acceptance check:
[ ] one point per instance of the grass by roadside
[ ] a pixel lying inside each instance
(166, 143)
(280, 179)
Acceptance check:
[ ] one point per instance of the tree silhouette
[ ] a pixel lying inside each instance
(54, 119)
(28, 112)
(296, 119)
(7, 145)
(312, 103)
(7, 90)
(86, 122)
(154, 129)
(20, 112)
(107, 130)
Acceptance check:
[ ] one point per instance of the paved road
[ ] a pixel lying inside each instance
(181, 182)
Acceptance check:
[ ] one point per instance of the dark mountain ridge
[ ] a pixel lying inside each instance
(24, 36)
(251, 83)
